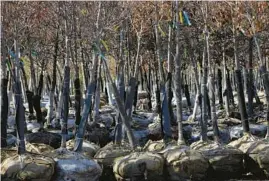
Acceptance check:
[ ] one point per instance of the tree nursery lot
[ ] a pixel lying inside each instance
(131, 91)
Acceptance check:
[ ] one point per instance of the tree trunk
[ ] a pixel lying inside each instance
(240, 89)
(33, 77)
(211, 93)
(125, 118)
(4, 111)
(53, 85)
(97, 99)
(245, 79)
(65, 105)
(229, 88)
(20, 114)
(148, 87)
(204, 106)
(77, 99)
(135, 96)
(165, 117)
(121, 90)
(187, 95)
(250, 85)
(131, 94)
(220, 88)
(177, 84)
(29, 95)
(4, 100)
(204, 98)
(85, 74)
(225, 90)
(170, 96)
(211, 88)
(36, 100)
(198, 97)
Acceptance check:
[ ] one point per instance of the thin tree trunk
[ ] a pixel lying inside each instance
(229, 88)
(165, 116)
(187, 95)
(33, 77)
(77, 100)
(4, 100)
(121, 89)
(240, 90)
(52, 90)
(65, 104)
(265, 78)
(29, 95)
(198, 87)
(130, 92)
(76, 81)
(219, 82)
(177, 84)
(169, 74)
(20, 114)
(95, 74)
(148, 87)
(125, 118)
(170, 96)
(250, 85)
(37, 99)
(245, 79)
(90, 91)
(85, 74)
(97, 93)
(85, 114)
(211, 92)
(204, 99)
(211, 88)
(66, 89)
(225, 90)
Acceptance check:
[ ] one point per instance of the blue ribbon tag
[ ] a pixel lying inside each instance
(186, 18)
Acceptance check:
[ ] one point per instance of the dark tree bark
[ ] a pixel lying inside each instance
(77, 101)
(135, 96)
(241, 101)
(121, 89)
(240, 89)
(250, 85)
(211, 93)
(141, 78)
(66, 91)
(29, 95)
(85, 72)
(120, 106)
(36, 100)
(33, 76)
(53, 85)
(208, 104)
(187, 95)
(4, 112)
(149, 89)
(20, 114)
(165, 117)
(229, 88)
(220, 87)
(204, 106)
(148, 86)
(170, 97)
(266, 87)
(178, 83)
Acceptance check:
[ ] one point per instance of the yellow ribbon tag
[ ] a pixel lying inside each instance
(162, 32)
(105, 45)
(181, 17)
